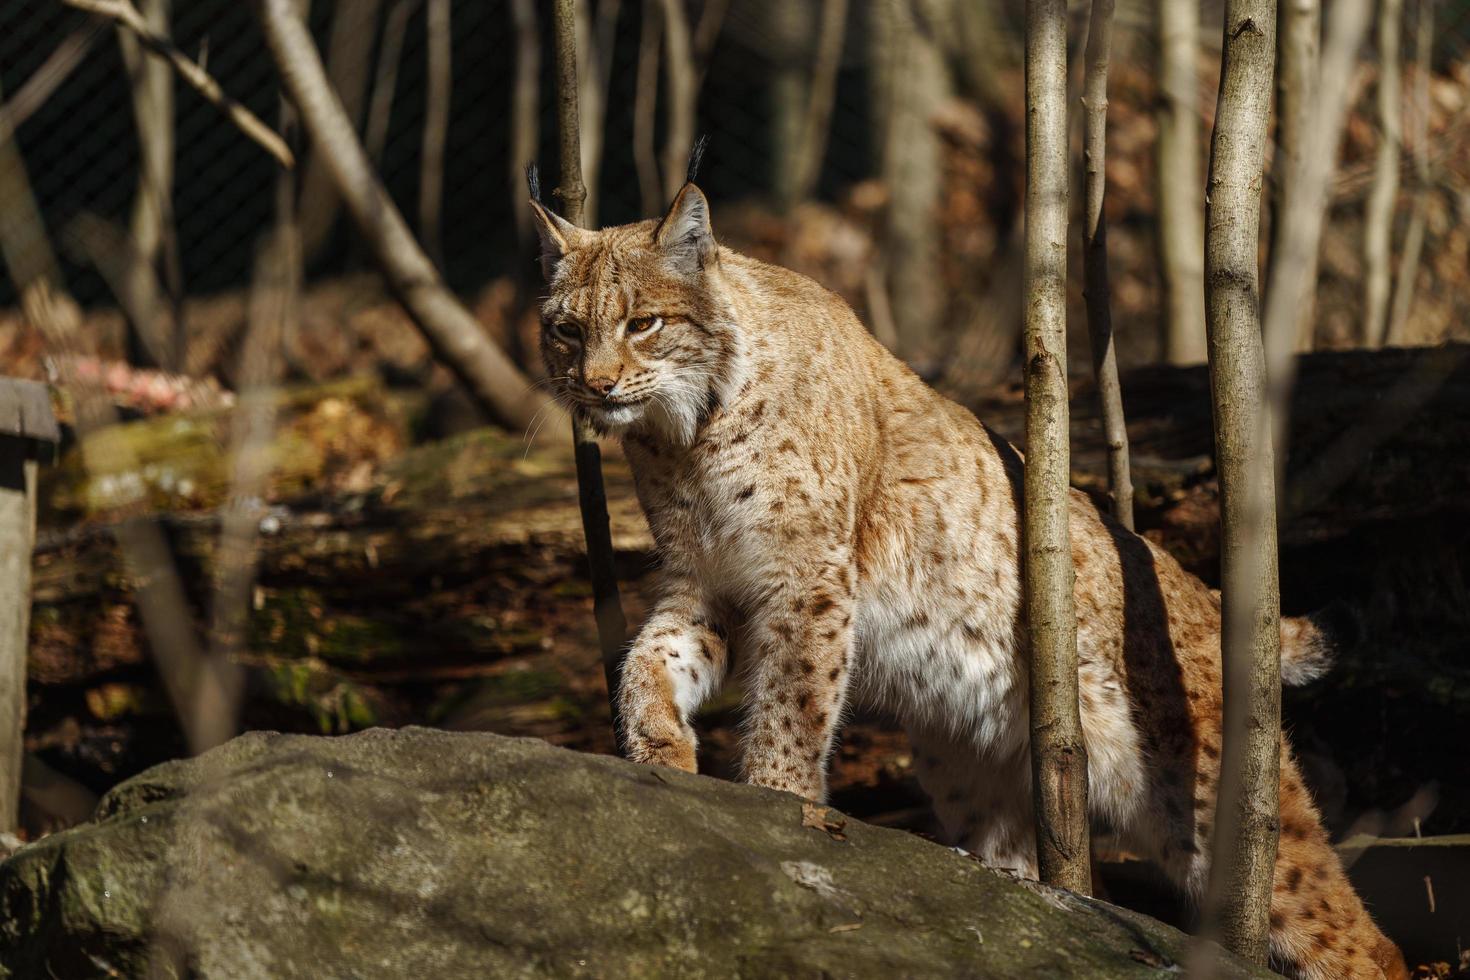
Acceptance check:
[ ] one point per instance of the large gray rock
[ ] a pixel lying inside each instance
(418, 853)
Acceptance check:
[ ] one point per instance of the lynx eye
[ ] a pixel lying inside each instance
(644, 324)
(567, 331)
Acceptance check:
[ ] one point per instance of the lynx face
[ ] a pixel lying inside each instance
(634, 332)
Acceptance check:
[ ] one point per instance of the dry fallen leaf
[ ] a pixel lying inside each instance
(820, 818)
(1149, 958)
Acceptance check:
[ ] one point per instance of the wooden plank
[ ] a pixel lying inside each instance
(17, 532)
(25, 411)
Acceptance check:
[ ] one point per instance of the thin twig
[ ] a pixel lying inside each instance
(200, 80)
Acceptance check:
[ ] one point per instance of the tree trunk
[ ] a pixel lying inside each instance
(682, 88)
(821, 94)
(1247, 811)
(1181, 235)
(645, 110)
(349, 56)
(1297, 229)
(1378, 218)
(595, 40)
(911, 83)
(1403, 293)
(154, 245)
(1058, 755)
(612, 628)
(791, 31)
(437, 93)
(1095, 261)
(1298, 33)
(455, 336)
(385, 81)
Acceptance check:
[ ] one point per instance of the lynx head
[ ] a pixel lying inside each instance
(636, 330)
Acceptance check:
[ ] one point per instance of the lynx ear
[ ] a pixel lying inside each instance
(684, 234)
(558, 237)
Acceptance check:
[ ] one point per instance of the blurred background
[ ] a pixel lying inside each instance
(406, 560)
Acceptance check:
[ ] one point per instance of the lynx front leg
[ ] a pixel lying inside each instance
(678, 660)
(803, 643)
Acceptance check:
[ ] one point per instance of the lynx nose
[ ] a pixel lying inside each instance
(603, 383)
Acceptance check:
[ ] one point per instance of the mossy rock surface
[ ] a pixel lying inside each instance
(417, 853)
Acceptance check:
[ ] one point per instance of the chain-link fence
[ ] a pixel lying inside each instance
(80, 143)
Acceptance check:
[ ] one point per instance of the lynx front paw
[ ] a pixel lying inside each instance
(662, 745)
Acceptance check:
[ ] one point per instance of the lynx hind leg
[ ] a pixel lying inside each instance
(1319, 927)
(983, 806)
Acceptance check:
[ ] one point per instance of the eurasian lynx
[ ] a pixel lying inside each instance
(852, 534)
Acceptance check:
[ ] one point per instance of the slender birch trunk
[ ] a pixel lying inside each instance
(612, 628)
(821, 95)
(385, 82)
(1298, 30)
(1403, 293)
(1292, 274)
(1181, 234)
(645, 110)
(1246, 826)
(1378, 218)
(682, 89)
(595, 38)
(1058, 755)
(1096, 289)
(349, 57)
(910, 84)
(437, 93)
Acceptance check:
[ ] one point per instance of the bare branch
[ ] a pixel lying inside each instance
(201, 81)
(455, 336)
(46, 79)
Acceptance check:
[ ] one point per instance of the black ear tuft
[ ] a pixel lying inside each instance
(533, 180)
(696, 156)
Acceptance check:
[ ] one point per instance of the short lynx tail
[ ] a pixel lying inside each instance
(1310, 644)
